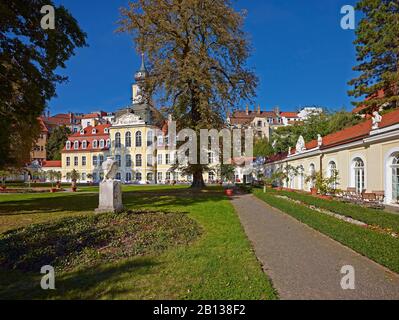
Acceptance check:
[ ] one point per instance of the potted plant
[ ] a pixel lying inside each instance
(227, 172)
(51, 176)
(75, 176)
(90, 178)
(58, 177)
(3, 176)
(311, 179)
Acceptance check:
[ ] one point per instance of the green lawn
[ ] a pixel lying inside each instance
(379, 247)
(370, 216)
(219, 264)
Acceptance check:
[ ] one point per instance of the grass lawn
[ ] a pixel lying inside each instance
(218, 264)
(379, 247)
(370, 216)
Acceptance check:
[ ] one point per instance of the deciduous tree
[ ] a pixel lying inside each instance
(29, 60)
(197, 51)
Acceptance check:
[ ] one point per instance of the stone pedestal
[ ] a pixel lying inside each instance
(110, 197)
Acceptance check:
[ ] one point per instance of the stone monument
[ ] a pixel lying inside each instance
(110, 189)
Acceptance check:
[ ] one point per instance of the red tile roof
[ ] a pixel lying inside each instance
(51, 164)
(379, 95)
(353, 133)
(42, 124)
(289, 114)
(89, 137)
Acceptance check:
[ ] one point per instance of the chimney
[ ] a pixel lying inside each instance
(259, 112)
(247, 110)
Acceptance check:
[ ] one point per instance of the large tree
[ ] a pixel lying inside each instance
(197, 52)
(377, 47)
(56, 142)
(30, 57)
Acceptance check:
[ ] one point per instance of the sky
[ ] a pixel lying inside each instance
(300, 53)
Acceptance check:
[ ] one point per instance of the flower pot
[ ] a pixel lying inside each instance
(313, 191)
(229, 192)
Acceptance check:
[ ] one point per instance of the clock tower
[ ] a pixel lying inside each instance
(138, 88)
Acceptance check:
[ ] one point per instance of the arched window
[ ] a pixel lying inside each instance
(139, 160)
(108, 143)
(312, 176)
(94, 131)
(128, 161)
(211, 176)
(95, 144)
(76, 145)
(118, 143)
(128, 139)
(395, 179)
(139, 176)
(150, 177)
(102, 144)
(118, 159)
(139, 140)
(150, 139)
(359, 171)
(332, 173)
(84, 144)
(301, 177)
(128, 177)
(68, 145)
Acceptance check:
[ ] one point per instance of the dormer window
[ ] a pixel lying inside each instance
(106, 130)
(84, 144)
(95, 144)
(108, 143)
(94, 131)
(76, 145)
(68, 145)
(102, 142)
(82, 132)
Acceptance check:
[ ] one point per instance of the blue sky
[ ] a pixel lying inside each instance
(300, 53)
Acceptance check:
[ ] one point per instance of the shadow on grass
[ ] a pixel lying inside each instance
(89, 201)
(89, 283)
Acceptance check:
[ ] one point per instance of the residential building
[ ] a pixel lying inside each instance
(38, 152)
(265, 122)
(85, 151)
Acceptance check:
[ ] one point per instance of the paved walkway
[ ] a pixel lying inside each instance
(303, 263)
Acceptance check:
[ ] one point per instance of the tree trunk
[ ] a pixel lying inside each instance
(198, 180)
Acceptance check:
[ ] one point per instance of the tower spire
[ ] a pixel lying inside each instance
(143, 67)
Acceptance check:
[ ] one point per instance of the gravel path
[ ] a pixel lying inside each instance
(304, 264)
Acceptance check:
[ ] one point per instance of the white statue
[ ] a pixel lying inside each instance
(110, 167)
(319, 140)
(300, 146)
(377, 118)
(289, 150)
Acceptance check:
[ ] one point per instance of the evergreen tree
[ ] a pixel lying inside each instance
(197, 51)
(56, 142)
(29, 58)
(377, 47)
